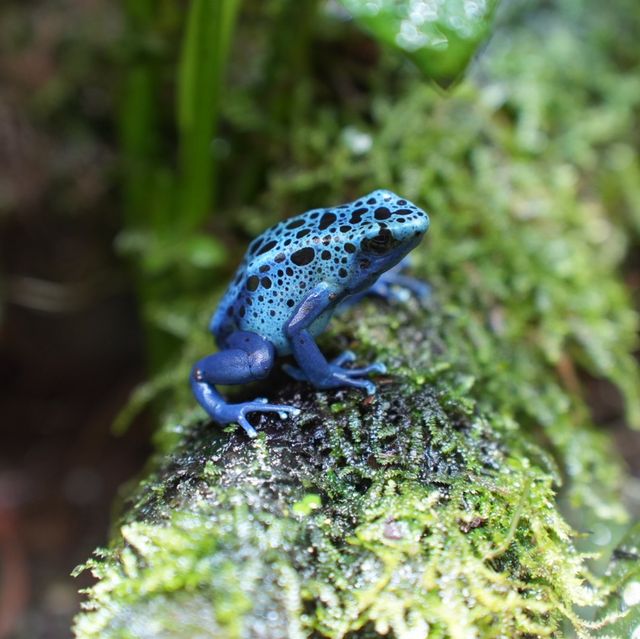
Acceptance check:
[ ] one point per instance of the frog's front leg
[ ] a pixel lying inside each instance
(246, 357)
(314, 367)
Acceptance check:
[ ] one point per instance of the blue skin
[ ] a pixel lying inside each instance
(291, 281)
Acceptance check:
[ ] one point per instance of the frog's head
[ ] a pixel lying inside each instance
(390, 227)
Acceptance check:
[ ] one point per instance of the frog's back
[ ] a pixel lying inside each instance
(277, 271)
(288, 260)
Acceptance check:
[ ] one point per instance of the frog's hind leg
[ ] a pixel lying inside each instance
(246, 357)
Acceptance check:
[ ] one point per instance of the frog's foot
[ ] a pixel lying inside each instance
(344, 358)
(418, 288)
(314, 368)
(392, 286)
(337, 376)
(246, 357)
(349, 356)
(395, 287)
(237, 413)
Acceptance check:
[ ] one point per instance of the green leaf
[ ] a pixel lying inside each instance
(623, 605)
(158, 254)
(439, 36)
(204, 251)
(206, 44)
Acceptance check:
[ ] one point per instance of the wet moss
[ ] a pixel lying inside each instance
(415, 510)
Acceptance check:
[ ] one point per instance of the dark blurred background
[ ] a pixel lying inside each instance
(71, 343)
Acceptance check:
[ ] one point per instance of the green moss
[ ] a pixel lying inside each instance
(431, 508)
(416, 510)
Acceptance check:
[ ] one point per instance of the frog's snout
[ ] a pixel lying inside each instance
(421, 223)
(412, 229)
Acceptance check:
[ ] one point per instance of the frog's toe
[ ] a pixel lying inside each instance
(260, 405)
(291, 411)
(344, 358)
(421, 290)
(248, 428)
(263, 407)
(365, 384)
(414, 286)
(394, 294)
(370, 388)
(395, 287)
(399, 295)
(376, 367)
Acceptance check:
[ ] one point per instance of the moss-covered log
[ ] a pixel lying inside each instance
(414, 511)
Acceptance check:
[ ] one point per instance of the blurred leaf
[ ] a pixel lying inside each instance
(158, 254)
(624, 601)
(440, 36)
(203, 61)
(146, 179)
(204, 252)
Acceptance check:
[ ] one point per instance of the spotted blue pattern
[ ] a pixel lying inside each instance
(334, 245)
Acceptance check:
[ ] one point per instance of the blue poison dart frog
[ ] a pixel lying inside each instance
(284, 293)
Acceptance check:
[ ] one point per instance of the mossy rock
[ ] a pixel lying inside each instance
(411, 512)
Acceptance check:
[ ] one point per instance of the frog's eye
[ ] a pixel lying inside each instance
(381, 243)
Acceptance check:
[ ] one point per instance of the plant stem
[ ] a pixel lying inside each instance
(203, 61)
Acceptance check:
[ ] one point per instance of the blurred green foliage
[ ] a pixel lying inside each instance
(167, 201)
(165, 205)
(201, 86)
